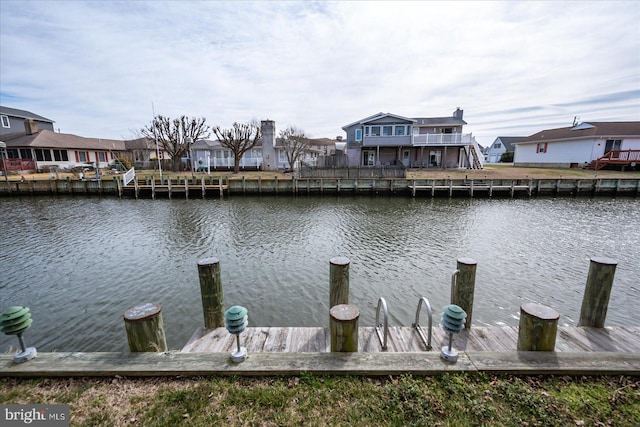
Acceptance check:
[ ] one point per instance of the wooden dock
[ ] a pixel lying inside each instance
(293, 351)
(406, 340)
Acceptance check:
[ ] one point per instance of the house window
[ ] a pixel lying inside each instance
(541, 148)
(375, 130)
(60, 155)
(43, 155)
(25, 153)
(400, 130)
(5, 122)
(101, 156)
(82, 156)
(387, 130)
(12, 153)
(358, 135)
(497, 145)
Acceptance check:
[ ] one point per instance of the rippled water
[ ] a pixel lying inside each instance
(79, 263)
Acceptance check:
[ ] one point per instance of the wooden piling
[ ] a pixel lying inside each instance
(145, 331)
(344, 328)
(538, 328)
(211, 292)
(338, 281)
(597, 291)
(465, 287)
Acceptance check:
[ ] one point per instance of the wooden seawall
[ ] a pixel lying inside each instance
(211, 186)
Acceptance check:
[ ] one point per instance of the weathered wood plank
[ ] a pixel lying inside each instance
(565, 363)
(405, 339)
(186, 364)
(416, 363)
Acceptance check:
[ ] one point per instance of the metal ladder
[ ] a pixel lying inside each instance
(382, 328)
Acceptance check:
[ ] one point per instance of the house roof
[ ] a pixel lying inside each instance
(509, 141)
(420, 121)
(439, 121)
(49, 139)
(23, 114)
(140, 144)
(376, 117)
(601, 129)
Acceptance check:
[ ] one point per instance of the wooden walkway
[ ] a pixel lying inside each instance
(406, 339)
(293, 351)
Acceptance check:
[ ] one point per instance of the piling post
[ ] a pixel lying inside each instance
(169, 186)
(344, 328)
(145, 331)
(220, 186)
(186, 188)
(211, 291)
(202, 188)
(338, 281)
(538, 328)
(276, 183)
(462, 293)
(597, 291)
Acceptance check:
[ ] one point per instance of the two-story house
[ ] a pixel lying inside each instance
(13, 120)
(386, 139)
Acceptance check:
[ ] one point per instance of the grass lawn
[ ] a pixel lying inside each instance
(491, 171)
(445, 400)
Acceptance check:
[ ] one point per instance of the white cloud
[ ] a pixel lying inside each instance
(514, 67)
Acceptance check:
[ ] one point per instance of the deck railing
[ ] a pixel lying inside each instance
(618, 157)
(442, 138)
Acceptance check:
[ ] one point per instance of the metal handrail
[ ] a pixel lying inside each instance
(383, 340)
(416, 325)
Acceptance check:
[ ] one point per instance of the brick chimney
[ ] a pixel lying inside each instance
(458, 113)
(30, 127)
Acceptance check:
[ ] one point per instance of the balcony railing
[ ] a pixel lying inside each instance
(19, 164)
(442, 139)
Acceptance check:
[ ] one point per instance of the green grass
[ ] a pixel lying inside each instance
(445, 400)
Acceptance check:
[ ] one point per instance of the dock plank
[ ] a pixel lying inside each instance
(406, 339)
(261, 364)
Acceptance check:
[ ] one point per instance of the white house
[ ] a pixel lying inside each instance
(501, 145)
(595, 143)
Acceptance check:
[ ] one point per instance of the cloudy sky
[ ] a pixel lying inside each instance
(100, 69)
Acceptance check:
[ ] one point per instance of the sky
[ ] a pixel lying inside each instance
(103, 69)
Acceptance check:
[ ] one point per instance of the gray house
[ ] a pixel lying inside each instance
(501, 145)
(13, 120)
(386, 139)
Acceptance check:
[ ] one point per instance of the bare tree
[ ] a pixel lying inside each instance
(241, 138)
(295, 143)
(172, 135)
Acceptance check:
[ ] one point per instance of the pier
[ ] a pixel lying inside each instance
(589, 349)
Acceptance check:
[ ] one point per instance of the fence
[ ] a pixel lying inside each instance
(396, 171)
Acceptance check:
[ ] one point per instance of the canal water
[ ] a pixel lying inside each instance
(80, 263)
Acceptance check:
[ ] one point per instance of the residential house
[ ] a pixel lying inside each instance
(13, 120)
(501, 145)
(596, 144)
(426, 142)
(268, 154)
(36, 149)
